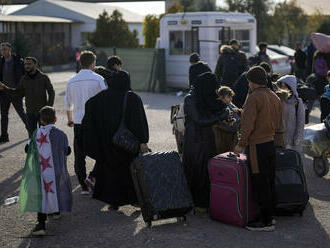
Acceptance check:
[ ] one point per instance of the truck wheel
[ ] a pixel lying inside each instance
(321, 166)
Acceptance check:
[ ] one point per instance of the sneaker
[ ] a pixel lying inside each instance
(55, 216)
(84, 192)
(113, 208)
(39, 230)
(90, 182)
(4, 139)
(261, 227)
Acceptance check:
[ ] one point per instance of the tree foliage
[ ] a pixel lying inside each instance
(288, 22)
(113, 31)
(325, 27)
(315, 21)
(150, 30)
(258, 8)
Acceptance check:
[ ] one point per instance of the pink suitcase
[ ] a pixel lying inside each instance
(231, 195)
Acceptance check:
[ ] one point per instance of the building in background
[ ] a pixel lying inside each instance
(83, 16)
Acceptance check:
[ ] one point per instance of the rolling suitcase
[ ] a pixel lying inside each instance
(231, 195)
(290, 183)
(161, 186)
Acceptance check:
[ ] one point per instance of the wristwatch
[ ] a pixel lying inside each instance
(70, 123)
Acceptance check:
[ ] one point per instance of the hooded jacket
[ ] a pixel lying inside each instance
(294, 114)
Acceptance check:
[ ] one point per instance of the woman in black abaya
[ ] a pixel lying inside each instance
(103, 113)
(202, 110)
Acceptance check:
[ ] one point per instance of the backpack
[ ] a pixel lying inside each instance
(321, 66)
(230, 69)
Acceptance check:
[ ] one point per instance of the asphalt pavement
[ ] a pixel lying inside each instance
(91, 224)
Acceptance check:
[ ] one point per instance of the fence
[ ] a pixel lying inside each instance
(145, 65)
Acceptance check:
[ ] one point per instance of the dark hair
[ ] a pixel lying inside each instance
(7, 44)
(114, 60)
(48, 115)
(262, 45)
(232, 42)
(225, 91)
(257, 75)
(266, 66)
(35, 61)
(328, 74)
(86, 59)
(194, 57)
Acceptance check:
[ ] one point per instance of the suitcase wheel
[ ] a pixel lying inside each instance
(321, 166)
(182, 219)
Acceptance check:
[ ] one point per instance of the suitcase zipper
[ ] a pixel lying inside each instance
(236, 193)
(230, 166)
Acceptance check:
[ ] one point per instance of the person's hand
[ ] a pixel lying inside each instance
(2, 86)
(144, 148)
(70, 124)
(238, 149)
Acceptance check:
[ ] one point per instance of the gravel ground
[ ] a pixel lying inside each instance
(91, 224)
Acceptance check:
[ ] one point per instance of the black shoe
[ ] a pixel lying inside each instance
(261, 227)
(39, 230)
(4, 139)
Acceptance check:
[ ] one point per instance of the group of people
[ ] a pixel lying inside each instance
(268, 111)
(270, 114)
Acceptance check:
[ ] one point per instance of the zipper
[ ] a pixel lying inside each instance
(236, 193)
(230, 166)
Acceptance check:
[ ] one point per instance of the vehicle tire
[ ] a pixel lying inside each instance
(321, 166)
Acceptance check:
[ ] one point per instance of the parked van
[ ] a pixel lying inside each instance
(203, 32)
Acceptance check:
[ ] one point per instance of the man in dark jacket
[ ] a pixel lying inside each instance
(300, 58)
(11, 71)
(114, 64)
(261, 56)
(34, 86)
(231, 64)
(197, 67)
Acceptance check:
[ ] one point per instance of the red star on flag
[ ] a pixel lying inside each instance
(47, 186)
(45, 163)
(42, 139)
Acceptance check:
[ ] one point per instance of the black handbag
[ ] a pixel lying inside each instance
(124, 138)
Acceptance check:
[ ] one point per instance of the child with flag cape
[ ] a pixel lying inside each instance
(46, 186)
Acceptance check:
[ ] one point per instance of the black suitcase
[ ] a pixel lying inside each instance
(290, 183)
(161, 186)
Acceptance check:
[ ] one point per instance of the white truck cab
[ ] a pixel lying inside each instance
(203, 32)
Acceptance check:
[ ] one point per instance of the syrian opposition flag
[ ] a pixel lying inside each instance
(38, 186)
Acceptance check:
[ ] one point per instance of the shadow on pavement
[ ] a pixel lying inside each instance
(12, 146)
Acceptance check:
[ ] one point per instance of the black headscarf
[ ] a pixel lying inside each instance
(120, 81)
(204, 92)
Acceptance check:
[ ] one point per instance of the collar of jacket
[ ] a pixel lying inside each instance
(259, 87)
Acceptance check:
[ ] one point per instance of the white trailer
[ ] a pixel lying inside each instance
(204, 33)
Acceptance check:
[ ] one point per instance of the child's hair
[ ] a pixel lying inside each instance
(328, 74)
(48, 115)
(225, 91)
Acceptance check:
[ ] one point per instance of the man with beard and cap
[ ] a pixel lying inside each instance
(260, 118)
(202, 110)
(37, 89)
(11, 72)
(102, 118)
(197, 67)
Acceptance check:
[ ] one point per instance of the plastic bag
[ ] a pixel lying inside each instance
(321, 42)
(316, 142)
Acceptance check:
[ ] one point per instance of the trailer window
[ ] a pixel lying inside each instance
(243, 36)
(180, 42)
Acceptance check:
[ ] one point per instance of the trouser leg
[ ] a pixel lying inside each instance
(5, 105)
(18, 105)
(324, 105)
(32, 122)
(263, 183)
(42, 218)
(79, 156)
